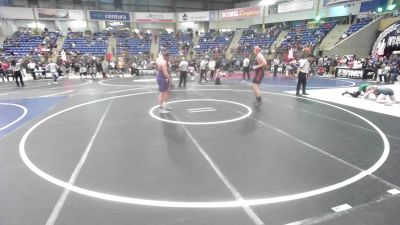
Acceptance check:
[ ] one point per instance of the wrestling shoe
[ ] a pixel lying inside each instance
(163, 111)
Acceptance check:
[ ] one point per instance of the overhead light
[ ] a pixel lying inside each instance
(380, 9)
(266, 2)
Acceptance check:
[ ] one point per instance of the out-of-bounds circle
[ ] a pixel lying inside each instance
(209, 204)
(29, 87)
(352, 84)
(24, 112)
(103, 82)
(249, 112)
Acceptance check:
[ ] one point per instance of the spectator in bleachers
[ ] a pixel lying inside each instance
(93, 43)
(302, 38)
(214, 42)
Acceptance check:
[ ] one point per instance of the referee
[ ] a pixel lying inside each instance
(304, 72)
(16, 67)
(246, 68)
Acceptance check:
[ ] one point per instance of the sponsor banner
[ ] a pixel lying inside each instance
(295, 5)
(58, 14)
(116, 25)
(240, 13)
(16, 13)
(109, 15)
(340, 2)
(150, 17)
(388, 41)
(196, 16)
(350, 73)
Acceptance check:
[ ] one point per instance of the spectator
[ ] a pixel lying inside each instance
(276, 63)
(246, 68)
(31, 69)
(211, 67)
(203, 70)
(183, 70)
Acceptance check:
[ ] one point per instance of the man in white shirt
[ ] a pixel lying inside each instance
(276, 65)
(105, 66)
(211, 67)
(246, 68)
(112, 68)
(31, 69)
(16, 68)
(183, 70)
(203, 70)
(52, 67)
(303, 73)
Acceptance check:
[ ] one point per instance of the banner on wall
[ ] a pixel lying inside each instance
(61, 14)
(109, 16)
(350, 73)
(295, 5)
(196, 16)
(388, 41)
(240, 13)
(16, 13)
(146, 17)
(339, 2)
(118, 25)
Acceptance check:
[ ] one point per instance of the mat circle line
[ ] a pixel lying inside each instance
(209, 204)
(249, 112)
(24, 109)
(308, 86)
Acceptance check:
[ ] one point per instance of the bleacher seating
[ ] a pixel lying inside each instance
(137, 44)
(168, 42)
(96, 44)
(360, 23)
(303, 36)
(251, 38)
(185, 42)
(24, 43)
(214, 41)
